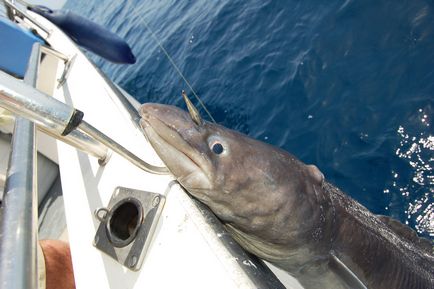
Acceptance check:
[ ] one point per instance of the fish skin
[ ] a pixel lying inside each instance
(283, 210)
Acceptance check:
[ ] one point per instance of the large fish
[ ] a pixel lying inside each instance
(283, 210)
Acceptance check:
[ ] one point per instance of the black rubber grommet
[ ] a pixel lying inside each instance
(74, 121)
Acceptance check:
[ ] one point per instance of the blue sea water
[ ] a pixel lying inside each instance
(346, 85)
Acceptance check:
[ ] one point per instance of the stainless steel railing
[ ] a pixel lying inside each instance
(19, 217)
(18, 236)
(60, 120)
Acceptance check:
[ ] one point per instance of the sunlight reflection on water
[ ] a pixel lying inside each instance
(417, 152)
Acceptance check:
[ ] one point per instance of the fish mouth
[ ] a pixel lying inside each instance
(186, 164)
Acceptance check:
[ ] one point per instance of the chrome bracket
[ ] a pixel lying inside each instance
(66, 70)
(127, 225)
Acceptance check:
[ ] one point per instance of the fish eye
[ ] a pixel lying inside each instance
(217, 148)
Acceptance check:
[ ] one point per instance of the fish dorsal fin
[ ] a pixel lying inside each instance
(407, 233)
(345, 273)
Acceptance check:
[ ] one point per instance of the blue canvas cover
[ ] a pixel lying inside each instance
(15, 47)
(89, 35)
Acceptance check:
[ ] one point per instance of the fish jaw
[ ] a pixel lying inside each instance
(162, 131)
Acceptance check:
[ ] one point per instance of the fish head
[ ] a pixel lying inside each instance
(179, 142)
(198, 155)
(255, 187)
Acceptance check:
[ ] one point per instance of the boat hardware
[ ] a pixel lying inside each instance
(127, 225)
(19, 220)
(66, 70)
(83, 142)
(48, 50)
(59, 118)
(67, 62)
(14, 11)
(30, 103)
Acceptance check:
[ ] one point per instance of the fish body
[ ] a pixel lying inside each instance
(284, 211)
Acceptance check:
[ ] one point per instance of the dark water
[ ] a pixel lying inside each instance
(346, 85)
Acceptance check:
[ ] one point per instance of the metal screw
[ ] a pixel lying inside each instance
(101, 214)
(104, 160)
(156, 201)
(132, 261)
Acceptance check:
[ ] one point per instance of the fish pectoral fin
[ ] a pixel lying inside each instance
(345, 273)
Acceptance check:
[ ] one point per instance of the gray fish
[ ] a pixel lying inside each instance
(284, 211)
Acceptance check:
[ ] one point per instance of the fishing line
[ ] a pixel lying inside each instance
(178, 70)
